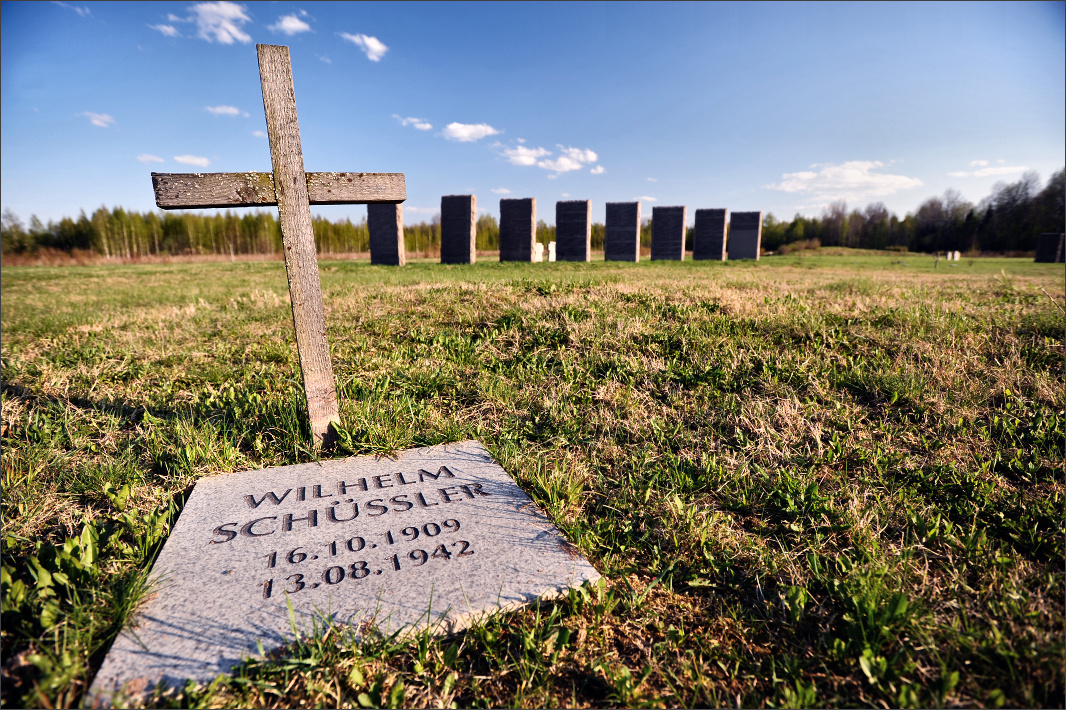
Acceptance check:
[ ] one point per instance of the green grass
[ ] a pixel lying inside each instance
(819, 480)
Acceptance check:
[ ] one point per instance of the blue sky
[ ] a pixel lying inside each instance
(775, 107)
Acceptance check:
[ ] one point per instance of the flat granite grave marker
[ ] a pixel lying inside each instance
(440, 535)
(385, 223)
(458, 229)
(668, 233)
(297, 192)
(573, 230)
(745, 235)
(518, 228)
(621, 240)
(708, 238)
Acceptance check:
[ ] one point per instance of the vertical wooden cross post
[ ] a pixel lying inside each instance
(293, 191)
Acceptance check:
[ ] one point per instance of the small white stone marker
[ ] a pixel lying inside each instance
(441, 536)
(538, 253)
(551, 251)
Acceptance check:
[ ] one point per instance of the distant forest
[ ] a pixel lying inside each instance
(1007, 221)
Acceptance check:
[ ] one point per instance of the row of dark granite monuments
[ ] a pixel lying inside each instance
(573, 232)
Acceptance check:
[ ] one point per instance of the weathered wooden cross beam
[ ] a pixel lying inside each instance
(293, 191)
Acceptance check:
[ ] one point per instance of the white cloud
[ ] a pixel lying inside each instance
(570, 159)
(375, 49)
(468, 132)
(645, 198)
(501, 191)
(324, 59)
(566, 194)
(524, 156)
(986, 169)
(259, 134)
(290, 25)
(419, 123)
(990, 171)
(148, 158)
(853, 180)
(167, 30)
(82, 11)
(562, 164)
(580, 155)
(652, 179)
(98, 119)
(221, 22)
(408, 209)
(520, 140)
(192, 160)
(223, 110)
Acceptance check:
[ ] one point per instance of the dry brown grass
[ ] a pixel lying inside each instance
(715, 438)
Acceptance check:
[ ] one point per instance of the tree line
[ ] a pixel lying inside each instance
(128, 234)
(1008, 220)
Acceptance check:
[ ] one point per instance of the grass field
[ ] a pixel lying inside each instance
(819, 480)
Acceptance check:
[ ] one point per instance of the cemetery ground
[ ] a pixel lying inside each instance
(822, 479)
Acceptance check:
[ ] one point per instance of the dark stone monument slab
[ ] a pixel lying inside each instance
(439, 536)
(1049, 248)
(668, 233)
(385, 223)
(458, 229)
(518, 228)
(708, 238)
(745, 235)
(573, 230)
(621, 241)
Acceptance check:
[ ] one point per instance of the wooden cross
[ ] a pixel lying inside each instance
(293, 191)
